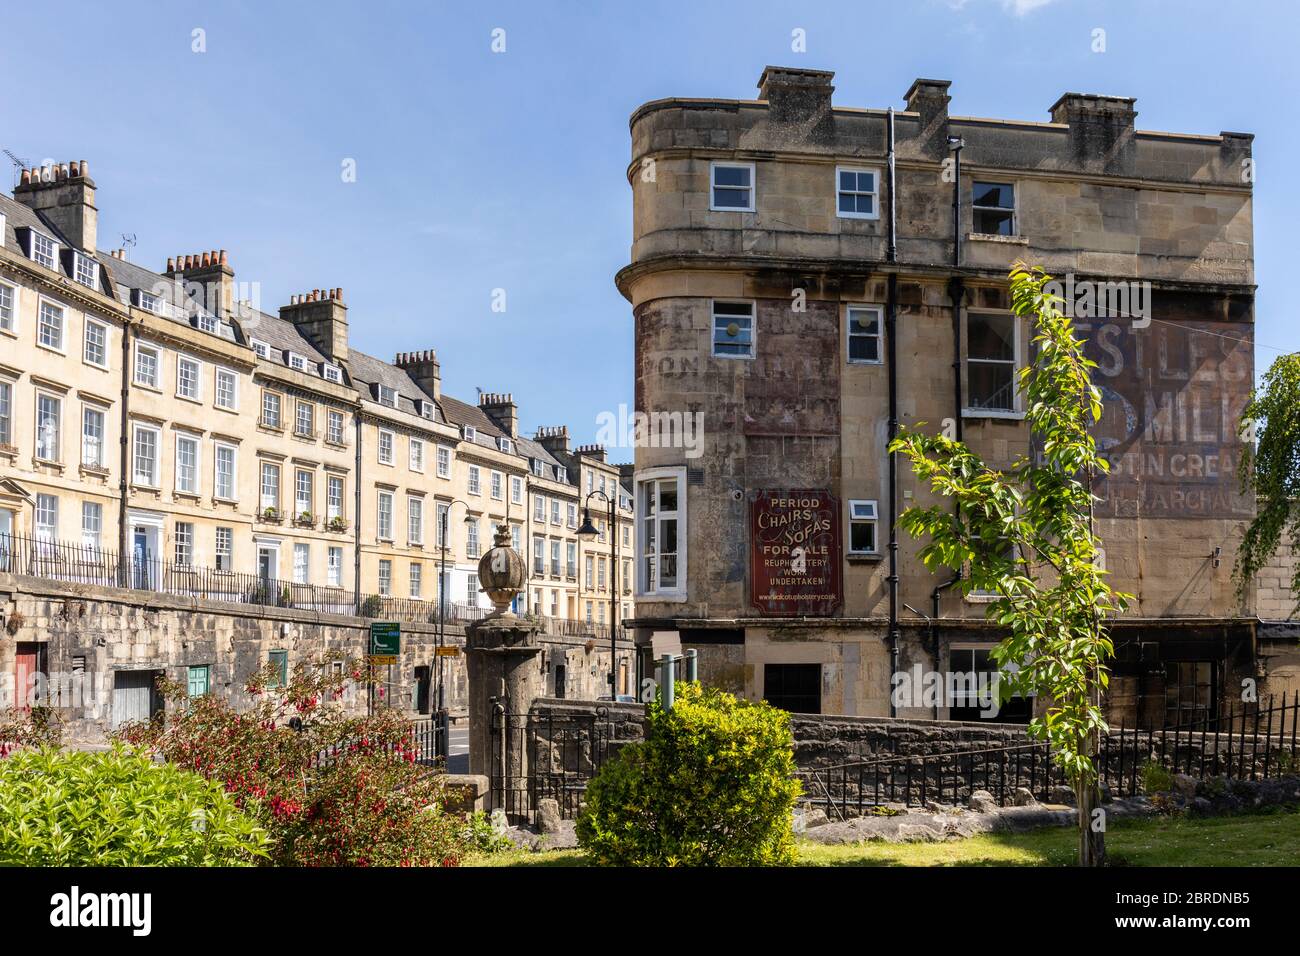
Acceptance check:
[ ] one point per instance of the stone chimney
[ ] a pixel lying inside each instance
(930, 99)
(554, 438)
(1101, 130)
(64, 195)
(424, 370)
(322, 319)
(501, 408)
(796, 96)
(207, 276)
(591, 451)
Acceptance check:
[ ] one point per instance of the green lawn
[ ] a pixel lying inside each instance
(1263, 840)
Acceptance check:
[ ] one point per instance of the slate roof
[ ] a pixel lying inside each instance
(17, 216)
(369, 371)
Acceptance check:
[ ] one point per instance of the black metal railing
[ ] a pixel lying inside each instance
(1250, 744)
(88, 564)
(426, 741)
(542, 755)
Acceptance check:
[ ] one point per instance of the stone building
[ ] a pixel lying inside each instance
(233, 454)
(799, 282)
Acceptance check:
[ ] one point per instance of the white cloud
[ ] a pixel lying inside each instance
(1022, 8)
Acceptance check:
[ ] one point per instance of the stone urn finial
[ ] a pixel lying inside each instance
(502, 572)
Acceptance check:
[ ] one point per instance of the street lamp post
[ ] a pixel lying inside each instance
(443, 738)
(588, 532)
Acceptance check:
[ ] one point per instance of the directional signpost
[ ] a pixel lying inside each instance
(385, 646)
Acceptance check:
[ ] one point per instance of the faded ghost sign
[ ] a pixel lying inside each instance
(1172, 395)
(795, 559)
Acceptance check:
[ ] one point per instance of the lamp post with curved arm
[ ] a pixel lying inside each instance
(444, 725)
(588, 532)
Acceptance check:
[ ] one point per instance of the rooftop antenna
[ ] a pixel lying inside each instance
(128, 243)
(19, 165)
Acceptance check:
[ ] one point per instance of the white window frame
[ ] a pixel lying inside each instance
(388, 396)
(301, 405)
(679, 591)
(196, 471)
(45, 519)
(230, 375)
(496, 486)
(196, 394)
(57, 457)
(384, 577)
(753, 329)
(874, 194)
(474, 481)
(299, 499)
(382, 533)
(265, 501)
(217, 448)
(301, 562)
(385, 458)
(469, 432)
(183, 543)
(105, 344)
(414, 520)
(849, 333)
(52, 260)
(148, 301)
(753, 186)
(92, 524)
(862, 511)
(506, 445)
(562, 475)
(88, 409)
(444, 461)
(263, 349)
(154, 480)
(516, 490)
(144, 347)
(334, 566)
(9, 313)
(297, 362)
(223, 548)
(415, 575)
(61, 327)
(271, 397)
(332, 373)
(6, 411)
(415, 455)
(332, 435)
(331, 510)
(80, 259)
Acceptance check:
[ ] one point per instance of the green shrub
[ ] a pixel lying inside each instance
(712, 785)
(117, 808)
(1155, 778)
(481, 835)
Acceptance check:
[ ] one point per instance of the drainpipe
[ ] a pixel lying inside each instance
(356, 516)
(891, 348)
(124, 455)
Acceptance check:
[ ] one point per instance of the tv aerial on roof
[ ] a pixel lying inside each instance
(19, 165)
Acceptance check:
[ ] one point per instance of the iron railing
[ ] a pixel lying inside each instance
(89, 564)
(1253, 744)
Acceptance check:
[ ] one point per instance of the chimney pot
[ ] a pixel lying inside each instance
(26, 177)
(84, 169)
(223, 257)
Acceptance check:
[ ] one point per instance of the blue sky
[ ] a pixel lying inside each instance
(478, 171)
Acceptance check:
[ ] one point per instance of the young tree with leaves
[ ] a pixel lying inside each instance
(1270, 470)
(1026, 535)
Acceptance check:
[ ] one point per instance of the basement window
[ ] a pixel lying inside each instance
(993, 209)
(856, 193)
(862, 527)
(733, 330)
(731, 187)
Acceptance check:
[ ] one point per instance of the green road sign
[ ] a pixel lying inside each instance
(385, 638)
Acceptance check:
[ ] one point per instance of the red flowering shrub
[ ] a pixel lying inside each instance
(332, 789)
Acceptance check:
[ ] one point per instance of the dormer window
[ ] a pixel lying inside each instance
(333, 373)
(147, 301)
(506, 445)
(205, 322)
(261, 348)
(562, 475)
(427, 410)
(387, 396)
(43, 250)
(539, 469)
(85, 270)
(469, 432)
(297, 362)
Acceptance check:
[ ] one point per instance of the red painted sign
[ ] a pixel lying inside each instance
(796, 566)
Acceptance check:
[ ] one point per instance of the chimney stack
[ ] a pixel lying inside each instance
(591, 451)
(554, 438)
(64, 195)
(211, 273)
(424, 370)
(797, 96)
(930, 99)
(1101, 130)
(501, 408)
(322, 321)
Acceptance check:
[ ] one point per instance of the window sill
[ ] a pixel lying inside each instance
(147, 387)
(234, 502)
(9, 451)
(9, 332)
(193, 400)
(993, 413)
(990, 237)
(51, 348)
(335, 444)
(185, 495)
(864, 558)
(267, 427)
(46, 463)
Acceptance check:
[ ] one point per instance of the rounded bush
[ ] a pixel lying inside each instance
(713, 784)
(117, 808)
